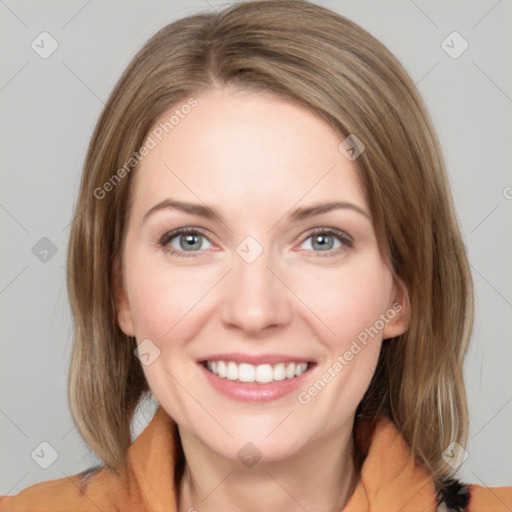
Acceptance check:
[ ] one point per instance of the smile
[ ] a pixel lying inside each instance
(262, 373)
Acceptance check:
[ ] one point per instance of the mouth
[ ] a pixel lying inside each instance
(255, 378)
(257, 374)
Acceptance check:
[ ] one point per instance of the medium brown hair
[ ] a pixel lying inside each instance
(311, 56)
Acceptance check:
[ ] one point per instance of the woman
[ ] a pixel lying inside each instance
(265, 242)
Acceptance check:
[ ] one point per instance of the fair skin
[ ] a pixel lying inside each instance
(254, 158)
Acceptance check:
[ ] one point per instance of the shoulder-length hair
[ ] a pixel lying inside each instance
(309, 55)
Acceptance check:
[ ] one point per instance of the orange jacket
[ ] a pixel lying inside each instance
(390, 480)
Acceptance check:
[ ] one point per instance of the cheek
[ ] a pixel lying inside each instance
(341, 300)
(349, 299)
(158, 305)
(164, 300)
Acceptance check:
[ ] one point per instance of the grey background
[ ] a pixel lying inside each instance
(48, 110)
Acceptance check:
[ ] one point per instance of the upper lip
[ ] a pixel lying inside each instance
(255, 359)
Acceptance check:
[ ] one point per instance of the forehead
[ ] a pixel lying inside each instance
(248, 152)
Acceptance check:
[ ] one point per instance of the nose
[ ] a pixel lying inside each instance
(255, 299)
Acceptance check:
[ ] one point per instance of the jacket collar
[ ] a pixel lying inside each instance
(391, 479)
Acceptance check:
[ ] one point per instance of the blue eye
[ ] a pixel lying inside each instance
(186, 238)
(324, 239)
(190, 240)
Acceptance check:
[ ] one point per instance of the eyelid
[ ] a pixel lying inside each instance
(340, 233)
(169, 235)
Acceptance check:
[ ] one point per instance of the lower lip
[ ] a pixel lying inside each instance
(253, 391)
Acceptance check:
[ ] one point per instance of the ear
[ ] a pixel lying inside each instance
(123, 311)
(398, 311)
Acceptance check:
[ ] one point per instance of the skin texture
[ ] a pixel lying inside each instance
(254, 158)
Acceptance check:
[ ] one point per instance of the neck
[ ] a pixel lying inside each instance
(322, 476)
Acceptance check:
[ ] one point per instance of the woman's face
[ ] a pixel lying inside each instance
(264, 283)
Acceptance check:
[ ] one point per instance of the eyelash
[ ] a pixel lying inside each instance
(345, 239)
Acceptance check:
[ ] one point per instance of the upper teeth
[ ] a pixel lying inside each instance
(262, 373)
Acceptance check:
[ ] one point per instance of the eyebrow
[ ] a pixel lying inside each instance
(209, 212)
